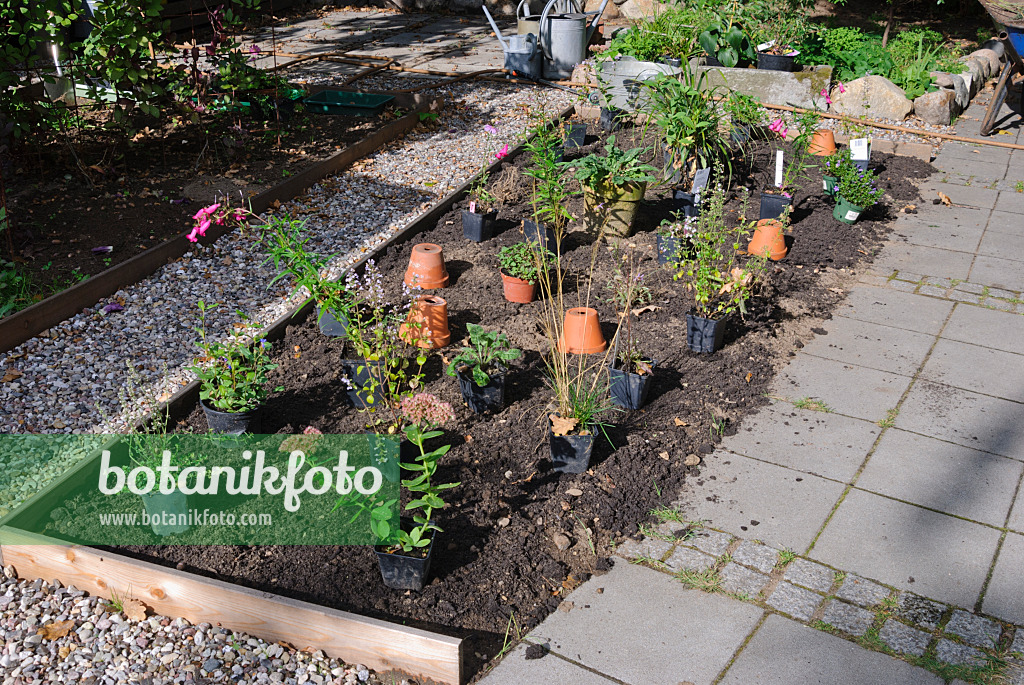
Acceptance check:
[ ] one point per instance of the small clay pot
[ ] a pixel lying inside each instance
(769, 235)
(823, 143)
(426, 267)
(427, 323)
(581, 332)
(518, 290)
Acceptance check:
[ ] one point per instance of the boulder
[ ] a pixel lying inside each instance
(979, 69)
(996, 46)
(989, 56)
(938, 107)
(641, 9)
(875, 97)
(972, 83)
(956, 83)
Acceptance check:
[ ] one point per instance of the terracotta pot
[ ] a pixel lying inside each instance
(426, 267)
(823, 143)
(769, 235)
(581, 332)
(427, 323)
(518, 290)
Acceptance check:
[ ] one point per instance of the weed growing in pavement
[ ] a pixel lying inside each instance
(707, 580)
(890, 418)
(812, 405)
(1019, 186)
(785, 556)
(839, 576)
(650, 561)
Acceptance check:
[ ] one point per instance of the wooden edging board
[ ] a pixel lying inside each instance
(378, 644)
(31, 321)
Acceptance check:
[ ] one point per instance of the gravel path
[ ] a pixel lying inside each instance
(100, 646)
(65, 380)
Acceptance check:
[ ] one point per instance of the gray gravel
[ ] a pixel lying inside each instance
(103, 646)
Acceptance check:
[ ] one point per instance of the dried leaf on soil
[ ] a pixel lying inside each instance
(52, 631)
(648, 308)
(945, 199)
(134, 609)
(562, 426)
(679, 422)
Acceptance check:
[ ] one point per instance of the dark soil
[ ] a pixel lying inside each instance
(496, 558)
(134, 196)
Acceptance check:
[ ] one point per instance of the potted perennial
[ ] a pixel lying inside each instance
(830, 171)
(856, 192)
(405, 564)
(630, 371)
(673, 239)
(779, 36)
(232, 377)
(613, 186)
(746, 117)
(481, 368)
(726, 44)
(478, 220)
(548, 219)
(720, 283)
(519, 274)
(573, 427)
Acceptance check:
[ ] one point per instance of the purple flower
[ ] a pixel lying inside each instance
(112, 307)
(103, 249)
(490, 129)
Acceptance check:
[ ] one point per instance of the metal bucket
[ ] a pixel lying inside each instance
(525, 21)
(564, 43)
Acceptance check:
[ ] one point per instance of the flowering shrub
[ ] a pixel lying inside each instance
(857, 187)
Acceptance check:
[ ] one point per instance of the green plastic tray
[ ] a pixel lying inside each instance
(343, 102)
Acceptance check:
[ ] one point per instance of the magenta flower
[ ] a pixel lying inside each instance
(828, 100)
(502, 153)
(841, 88)
(193, 236)
(254, 49)
(779, 126)
(490, 129)
(112, 307)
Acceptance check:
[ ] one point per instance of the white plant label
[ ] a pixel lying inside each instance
(852, 215)
(764, 46)
(824, 185)
(860, 149)
(778, 168)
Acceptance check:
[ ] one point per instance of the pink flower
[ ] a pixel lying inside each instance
(841, 88)
(828, 100)
(192, 236)
(502, 153)
(779, 126)
(203, 226)
(426, 410)
(490, 129)
(254, 49)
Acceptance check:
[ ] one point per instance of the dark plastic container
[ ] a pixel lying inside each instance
(740, 134)
(402, 572)
(772, 205)
(330, 325)
(232, 423)
(611, 119)
(671, 61)
(704, 335)
(539, 233)
(345, 102)
(358, 372)
(685, 203)
(491, 397)
(575, 136)
(629, 390)
(570, 453)
(668, 249)
(478, 227)
(775, 62)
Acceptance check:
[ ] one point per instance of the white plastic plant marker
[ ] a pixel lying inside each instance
(764, 46)
(852, 215)
(778, 168)
(860, 149)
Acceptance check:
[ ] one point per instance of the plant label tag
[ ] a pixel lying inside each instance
(700, 182)
(852, 215)
(472, 207)
(860, 149)
(778, 168)
(764, 46)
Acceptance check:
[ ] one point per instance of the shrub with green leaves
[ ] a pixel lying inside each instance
(488, 352)
(617, 167)
(521, 261)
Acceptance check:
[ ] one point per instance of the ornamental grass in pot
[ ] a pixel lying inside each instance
(481, 367)
(232, 376)
(613, 187)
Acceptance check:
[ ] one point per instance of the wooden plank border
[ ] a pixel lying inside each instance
(356, 639)
(31, 321)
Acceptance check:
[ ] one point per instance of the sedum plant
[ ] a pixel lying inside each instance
(488, 351)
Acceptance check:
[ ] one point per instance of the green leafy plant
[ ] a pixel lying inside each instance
(232, 373)
(726, 41)
(479, 197)
(522, 260)
(615, 168)
(628, 291)
(744, 110)
(487, 352)
(855, 186)
(549, 195)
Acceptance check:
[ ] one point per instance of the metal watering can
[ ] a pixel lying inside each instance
(565, 32)
(522, 52)
(526, 22)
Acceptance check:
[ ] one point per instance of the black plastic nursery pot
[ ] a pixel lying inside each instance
(400, 571)
(740, 134)
(232, 423)
(360, 378)
(478, 227)
(167, 513)
(670, 249)
(776, 62)
(629, 390)
(490, 397)
(671, 61)
(539, 233)
(685, 203)
(703, 335)
(570, 453)
(330, 325)
(673, 174)
(772, 205)
(575, 136)
(611, 119)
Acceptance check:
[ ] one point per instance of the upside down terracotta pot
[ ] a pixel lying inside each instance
(769, 236)
(427, 323)
(426, 267)
(581, 332)
(823, 143)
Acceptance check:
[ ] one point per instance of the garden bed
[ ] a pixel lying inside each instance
(497, 557)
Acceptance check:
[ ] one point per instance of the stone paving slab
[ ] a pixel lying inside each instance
(978, 421)
(930, 260)
(787, 506)
(995, 329)
(904, 639)
(1004, 222)
(961, 239)
(847, 617)
(958, 654)
(710, 542)
(515, 668)
(977, 172)
(974, 368)
(1007, 245)
(861, 591)
(920, 610)
(972, 196)
(809, 574)
(967, 151)
(1016, 521)
(998, 272)
(885, 305)
(795, 601)
(690, 637)
(757, 556)
(788, 653)
(740, 580)
(825, 444)
(941, 475)
(874, 346)
(908, 547)
(1005, 595)
(1010, 200)
(973, 629)
(830, 381)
